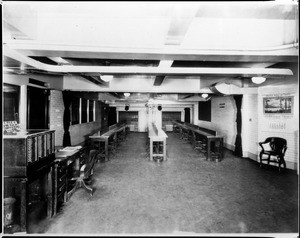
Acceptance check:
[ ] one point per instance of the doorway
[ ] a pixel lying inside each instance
(187, 115)
(112, 116)
(37, 108)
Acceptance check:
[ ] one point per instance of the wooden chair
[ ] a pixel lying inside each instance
(190, 136)
(217, 151)
(83, 176)
(185, 135)
(127, 131)
(202, 143)
(196, 143)
(120, 137)
(112, 143)
(100, 147)
(176, 129)
(273, 147)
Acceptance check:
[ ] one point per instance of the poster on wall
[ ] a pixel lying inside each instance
(278, 105)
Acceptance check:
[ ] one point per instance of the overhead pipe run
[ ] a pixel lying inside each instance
(246, 72)
(223, 88)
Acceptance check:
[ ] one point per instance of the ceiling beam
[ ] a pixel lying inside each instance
(162, 64)
(288, 53)
(117, 95)
(158, 80)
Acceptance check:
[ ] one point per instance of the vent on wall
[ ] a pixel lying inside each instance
(37, 82)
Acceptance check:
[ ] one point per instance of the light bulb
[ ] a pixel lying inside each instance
(106, 78)
(258, 80)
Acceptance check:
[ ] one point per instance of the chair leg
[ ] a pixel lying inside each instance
(280, 162)
(87, 188)
(73, 189)
(260, 159)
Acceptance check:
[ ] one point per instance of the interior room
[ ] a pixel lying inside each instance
(160, 118)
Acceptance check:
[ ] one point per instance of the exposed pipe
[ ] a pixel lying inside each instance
(145, 70)
(25, 45)
(281, 47)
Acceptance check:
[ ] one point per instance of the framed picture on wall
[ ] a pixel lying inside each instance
(278, 105)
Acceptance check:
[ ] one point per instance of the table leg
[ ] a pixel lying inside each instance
(221, 144)
(151, 149)
(208, 149)
(165, 149)
(106, 150)
(55, 189)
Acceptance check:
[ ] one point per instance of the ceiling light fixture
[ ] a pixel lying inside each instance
(204, 95)
(106, 78)
(126, 94)
(258, 80)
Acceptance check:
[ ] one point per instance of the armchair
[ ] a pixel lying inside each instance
(273, 147)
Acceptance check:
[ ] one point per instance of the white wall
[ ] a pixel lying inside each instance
(222, 119)
(147, 115)
(285, 126)
(250, 122)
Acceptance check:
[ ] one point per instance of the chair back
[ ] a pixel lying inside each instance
(90, 162)
(277, 144)
(193, 138)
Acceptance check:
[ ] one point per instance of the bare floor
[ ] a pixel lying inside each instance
(184, 195)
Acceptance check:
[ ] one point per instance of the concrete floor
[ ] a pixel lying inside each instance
(184, 195)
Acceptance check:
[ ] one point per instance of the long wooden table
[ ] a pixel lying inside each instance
(104, 137)
(156, 134)
(209, 137)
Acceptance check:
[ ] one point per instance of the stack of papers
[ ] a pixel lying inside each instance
(71, 148)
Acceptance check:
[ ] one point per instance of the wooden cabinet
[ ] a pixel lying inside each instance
(28, 169)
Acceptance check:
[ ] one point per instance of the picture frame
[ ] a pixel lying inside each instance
(278, 105)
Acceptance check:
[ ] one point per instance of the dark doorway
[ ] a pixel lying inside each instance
(187, 116)
(37, 108)
(112, 116)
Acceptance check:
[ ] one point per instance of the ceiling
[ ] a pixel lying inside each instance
(160, 43)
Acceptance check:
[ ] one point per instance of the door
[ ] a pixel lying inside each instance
(37, 108)
(112, 116)
(187, 115)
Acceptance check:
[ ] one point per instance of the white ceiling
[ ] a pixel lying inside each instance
(260, 34)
